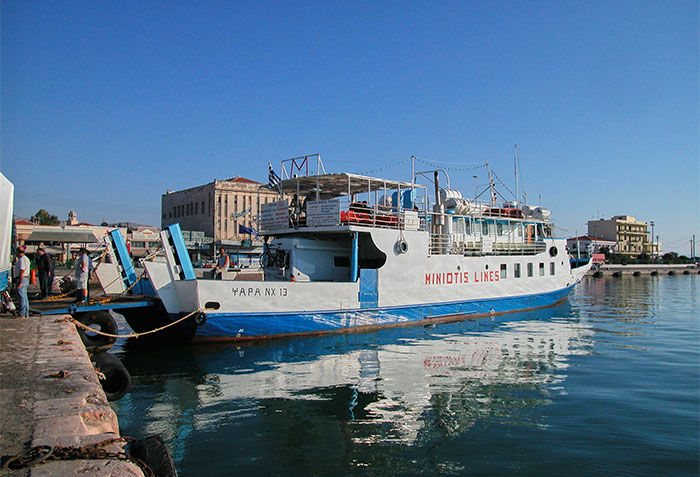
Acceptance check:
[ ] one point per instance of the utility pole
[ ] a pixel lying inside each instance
(652, 238)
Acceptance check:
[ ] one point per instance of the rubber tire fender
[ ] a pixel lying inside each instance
(117, 379)
(401, 246)
(106, 324)
(153, 452)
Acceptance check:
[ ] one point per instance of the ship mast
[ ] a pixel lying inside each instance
(492, 186)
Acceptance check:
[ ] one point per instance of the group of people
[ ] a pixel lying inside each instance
(45, 272)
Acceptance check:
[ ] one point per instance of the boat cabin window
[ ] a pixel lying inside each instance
(504, 271)
(484, 228)
(468, 226)
(516, 270)
(541, 269)
(499, 228)
(530, 269)
(551, 268)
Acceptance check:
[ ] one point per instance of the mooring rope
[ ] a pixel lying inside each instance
(131, 335)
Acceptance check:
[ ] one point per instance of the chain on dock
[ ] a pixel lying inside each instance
(40, 454)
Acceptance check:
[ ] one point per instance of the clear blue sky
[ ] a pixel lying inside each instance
(106, 105)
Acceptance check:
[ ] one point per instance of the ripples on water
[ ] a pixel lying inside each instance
(606, 383)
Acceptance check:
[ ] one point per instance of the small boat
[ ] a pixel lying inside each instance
(359, 253)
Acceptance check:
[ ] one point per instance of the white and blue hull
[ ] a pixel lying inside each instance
(221, 326)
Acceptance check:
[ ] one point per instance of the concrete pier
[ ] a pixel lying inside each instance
(655, 269)
(50, 395)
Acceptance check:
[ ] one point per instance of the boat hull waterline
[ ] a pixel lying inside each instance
(257, 326)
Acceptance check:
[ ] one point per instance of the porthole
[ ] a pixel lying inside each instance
(553, 251)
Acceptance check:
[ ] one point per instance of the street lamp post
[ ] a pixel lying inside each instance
(652, 238)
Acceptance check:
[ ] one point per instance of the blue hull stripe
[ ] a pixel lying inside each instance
(252, 325)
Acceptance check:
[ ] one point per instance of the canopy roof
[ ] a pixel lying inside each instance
(62, 235)
(341, 184)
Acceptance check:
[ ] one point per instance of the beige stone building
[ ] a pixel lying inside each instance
(631, 236)
(217, 208)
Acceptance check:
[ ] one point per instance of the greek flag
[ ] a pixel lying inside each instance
(242, 229)
(273, 180)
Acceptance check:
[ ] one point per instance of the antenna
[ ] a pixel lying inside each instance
(515, 166)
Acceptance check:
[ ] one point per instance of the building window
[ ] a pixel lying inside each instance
(516, 270)
(202, 209)
(541, 269)
(196, 208)
(530, 269)
(504, 271)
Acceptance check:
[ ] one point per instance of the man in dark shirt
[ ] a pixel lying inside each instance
(43, 265)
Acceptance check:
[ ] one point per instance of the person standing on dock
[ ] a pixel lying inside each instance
(43, 265)
(221, 264)
(21, 279)
(82, 268)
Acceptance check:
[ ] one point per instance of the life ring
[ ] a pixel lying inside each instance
(101, 321)
(401, 246)
(153, 452)
(116, 380)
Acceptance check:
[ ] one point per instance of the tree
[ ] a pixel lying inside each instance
(643, 258)
(670, 257)
(44, 218)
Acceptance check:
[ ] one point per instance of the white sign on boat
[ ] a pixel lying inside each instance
(275, 215)
(322, 212)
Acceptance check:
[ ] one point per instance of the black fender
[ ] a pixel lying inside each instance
(152, 452)
(101, 321)
(117, 379)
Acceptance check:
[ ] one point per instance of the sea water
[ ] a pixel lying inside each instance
(606, 383)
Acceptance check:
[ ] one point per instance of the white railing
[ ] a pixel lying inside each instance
(441, 244)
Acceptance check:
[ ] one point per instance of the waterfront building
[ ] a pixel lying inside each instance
(586, 246)
(630, 236)
(63, 241)
(143, 241)
(219, 209)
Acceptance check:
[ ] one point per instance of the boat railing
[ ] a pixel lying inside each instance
(445, 244)
(358, 214)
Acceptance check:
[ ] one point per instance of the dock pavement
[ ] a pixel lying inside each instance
(50, 395)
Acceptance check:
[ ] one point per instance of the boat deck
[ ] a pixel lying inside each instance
(67, 305)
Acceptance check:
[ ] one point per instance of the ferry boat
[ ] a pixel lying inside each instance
(346, 252)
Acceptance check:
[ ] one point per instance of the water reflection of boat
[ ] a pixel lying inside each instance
(402, 386)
